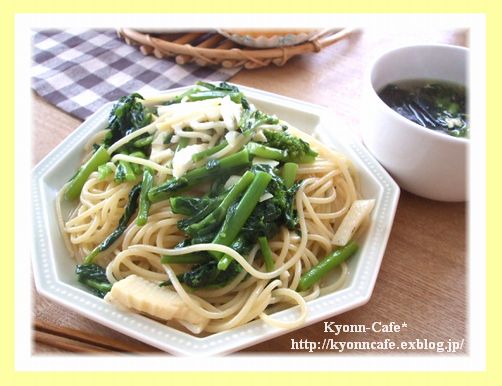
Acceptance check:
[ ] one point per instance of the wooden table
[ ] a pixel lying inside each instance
(422, 281)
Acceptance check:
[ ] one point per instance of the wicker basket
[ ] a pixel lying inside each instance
(213, 49)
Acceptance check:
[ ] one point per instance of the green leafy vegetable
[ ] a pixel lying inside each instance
(202, 95)
(252, 119)
(265, 220)
(238, 214)
(205, 90)
(297, 150)
(222, 86)
(94, 277)
(213, 168)
(214, 219)
(440, 106)
(127, 116)
(221, 90)
(276, 211)
(179, 98)
(124, 172)
(192, 206)
(131, 207)
(208, 275)
(189, 258)
(196, 208)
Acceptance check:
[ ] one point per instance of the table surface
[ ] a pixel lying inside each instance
(422, 281)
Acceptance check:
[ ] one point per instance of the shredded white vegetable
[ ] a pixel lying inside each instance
(352, 220)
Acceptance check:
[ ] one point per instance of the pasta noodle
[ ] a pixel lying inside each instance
(324, 196)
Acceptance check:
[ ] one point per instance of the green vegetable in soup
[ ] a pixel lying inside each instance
(436, 105)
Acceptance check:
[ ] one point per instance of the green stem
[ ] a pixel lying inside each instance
(236, 219)
(191, 206)
(136, 168)
(266, 253)
(127, 172)
(208, 152)
(142, 142)
(251, 120)
(183, 142)
(266, 152)
(138, 154)
(289, 173)
(202, 95)
(103, 171)
(334, 259)
(100, 157)
(219, 213)
(207, 85)
(178, 98)
(189, 258)
(213, 168)
(144, 202)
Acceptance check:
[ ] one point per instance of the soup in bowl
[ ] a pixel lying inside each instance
(416, 121)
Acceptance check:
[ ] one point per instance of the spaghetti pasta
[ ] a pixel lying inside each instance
(325, 191)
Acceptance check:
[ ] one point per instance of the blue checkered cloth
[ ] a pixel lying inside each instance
(79, 70)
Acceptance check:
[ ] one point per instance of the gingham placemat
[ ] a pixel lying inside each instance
(79, 70)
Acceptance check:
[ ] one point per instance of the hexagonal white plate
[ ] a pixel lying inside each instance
(54, 270)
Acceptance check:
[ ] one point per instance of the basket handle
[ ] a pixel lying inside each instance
(325, 39)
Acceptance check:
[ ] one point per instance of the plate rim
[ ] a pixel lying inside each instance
(141, 327)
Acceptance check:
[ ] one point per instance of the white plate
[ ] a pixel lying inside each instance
(54, 269)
